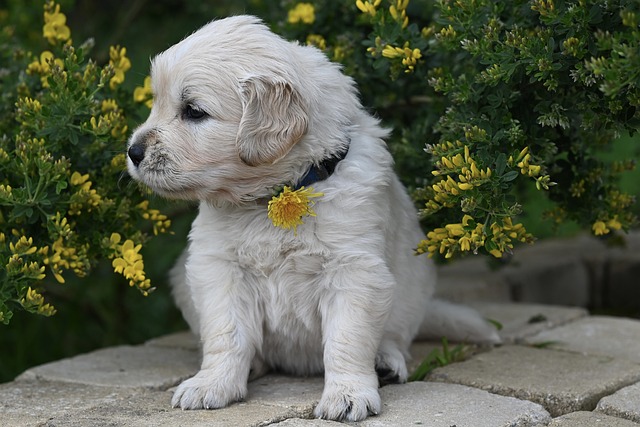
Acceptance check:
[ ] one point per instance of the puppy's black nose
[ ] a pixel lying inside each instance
(136, 153)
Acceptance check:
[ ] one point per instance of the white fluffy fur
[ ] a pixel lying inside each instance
(345, 295)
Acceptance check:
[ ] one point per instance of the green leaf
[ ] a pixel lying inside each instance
(510, 176)
(501, 164)
(495, 323)
(61, 185)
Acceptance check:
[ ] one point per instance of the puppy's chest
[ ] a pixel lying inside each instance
(281, 261)
(288, 279)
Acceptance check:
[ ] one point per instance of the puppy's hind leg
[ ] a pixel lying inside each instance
(456, 323)
(354, 313)
(391, 365)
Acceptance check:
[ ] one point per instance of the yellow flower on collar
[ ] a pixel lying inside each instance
(287, 208)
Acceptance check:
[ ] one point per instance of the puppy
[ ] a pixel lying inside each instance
(238, 113)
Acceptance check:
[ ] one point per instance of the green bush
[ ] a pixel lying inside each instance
(507, 97)
(64, 122)
(503, 95)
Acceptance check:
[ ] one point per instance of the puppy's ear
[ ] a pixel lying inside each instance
(274, 119)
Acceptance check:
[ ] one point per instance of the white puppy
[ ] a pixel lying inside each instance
(239, 112)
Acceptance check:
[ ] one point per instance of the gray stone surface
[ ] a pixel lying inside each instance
(32, 403)
(587, 364)
(560, 381)
(470, 279)
(583, 246)
(297, 393)
(299, 422)
(597, 335)
(624, 403)
(444, 405)
(621, 288)
(557, 271)
(590, 419)
(563, 281)
(153, 409)
(520, 320)
(184, 340)
(124, 366)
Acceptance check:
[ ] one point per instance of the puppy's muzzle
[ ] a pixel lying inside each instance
(136, 153)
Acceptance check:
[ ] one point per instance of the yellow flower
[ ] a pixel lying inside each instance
(35, 300)
(114, 240)
(317, 40)
(78, 179)
(65, 258)
(614, 224)
(120, 63)
(32, 298)
(409, 56)
(144, 93)
(84, 195)
(368, 6)
(32, 104)
(287, 209)
(23, 246)
(160, 222)
(47, 310)
(599, 228)
(398, 12)
(128, 262)
(43, 66)
(302, 12)
(496, 253)
(5, 191)
(108, 105)
(119, 162)
(455, 230)
(55, 28)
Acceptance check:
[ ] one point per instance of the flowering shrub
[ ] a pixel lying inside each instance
(502, 95)
(64, 122)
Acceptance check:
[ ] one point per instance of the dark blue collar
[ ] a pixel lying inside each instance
(323, 170)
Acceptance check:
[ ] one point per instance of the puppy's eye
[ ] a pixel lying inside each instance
(193, 113)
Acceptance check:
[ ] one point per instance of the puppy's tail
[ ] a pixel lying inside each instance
(456, 323)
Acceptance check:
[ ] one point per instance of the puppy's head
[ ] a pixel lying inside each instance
(227, 109)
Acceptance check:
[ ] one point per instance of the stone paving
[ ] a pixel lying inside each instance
(558, 366)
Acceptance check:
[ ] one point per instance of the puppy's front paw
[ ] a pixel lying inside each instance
(206, 390)
(348, 402)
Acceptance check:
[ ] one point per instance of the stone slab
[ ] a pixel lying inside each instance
(470, 279)
(31, 403)
(300, 394)
(584, 246)
(184, 340)
(549, 280)
(560, 381)
(123, 366)
(520, 320)
(153, 409)
(621, 288)
(590, 419)
(299, 422)
(275, 400)
(624, 403)
(596, 335)
(445, 405)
